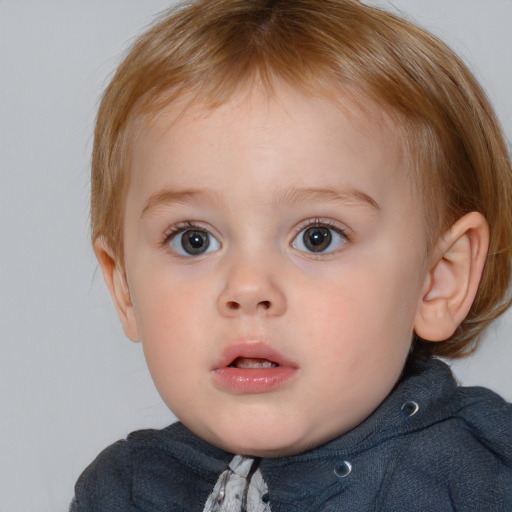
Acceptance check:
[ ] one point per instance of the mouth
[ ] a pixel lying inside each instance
(252, 355)
(253, 367)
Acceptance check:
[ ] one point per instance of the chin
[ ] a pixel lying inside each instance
(263, 443)
(264, 451)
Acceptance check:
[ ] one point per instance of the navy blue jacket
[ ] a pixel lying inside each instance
(431, 446)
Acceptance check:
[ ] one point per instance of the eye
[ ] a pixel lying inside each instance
(193, 242)
(319, 238)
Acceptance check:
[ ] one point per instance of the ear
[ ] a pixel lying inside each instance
(452, 280)
(115, 278)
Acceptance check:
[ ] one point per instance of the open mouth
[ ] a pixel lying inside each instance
(247, 363)
(252, 368)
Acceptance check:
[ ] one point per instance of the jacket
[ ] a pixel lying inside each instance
(430, 446)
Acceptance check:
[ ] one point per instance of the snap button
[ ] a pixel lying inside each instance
(342, 469)
(410, 408)
(265, 498)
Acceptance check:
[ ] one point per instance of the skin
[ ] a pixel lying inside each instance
(255, 173)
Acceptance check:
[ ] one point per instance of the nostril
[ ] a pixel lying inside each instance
(248, 306)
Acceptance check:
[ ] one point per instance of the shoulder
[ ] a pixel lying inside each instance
(488, 417)
(168, 469)
(467, 412)
(460, 444)
(481, 428)
(473, 420)
(106, 483)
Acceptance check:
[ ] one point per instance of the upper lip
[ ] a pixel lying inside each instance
(252, 350)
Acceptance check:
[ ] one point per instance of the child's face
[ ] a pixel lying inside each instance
(275, 259)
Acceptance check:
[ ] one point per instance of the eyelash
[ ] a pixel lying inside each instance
(323, 223)
(176, 229)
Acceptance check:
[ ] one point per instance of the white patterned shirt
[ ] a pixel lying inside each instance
(240, 488)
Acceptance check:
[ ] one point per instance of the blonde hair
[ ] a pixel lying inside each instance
(212, 48)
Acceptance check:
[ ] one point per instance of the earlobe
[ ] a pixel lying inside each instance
(116, 283)
(452, 281)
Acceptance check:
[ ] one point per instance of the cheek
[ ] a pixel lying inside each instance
(167, 312)
(355, 309)
(170, 327)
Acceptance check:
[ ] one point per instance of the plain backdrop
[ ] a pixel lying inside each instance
(71, 383)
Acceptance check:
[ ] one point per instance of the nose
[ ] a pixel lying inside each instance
(251, 290)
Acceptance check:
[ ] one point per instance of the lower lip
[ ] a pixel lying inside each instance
(253, 380)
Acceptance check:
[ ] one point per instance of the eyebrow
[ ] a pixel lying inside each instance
(292, 195)
(321, 195)
(168, 197)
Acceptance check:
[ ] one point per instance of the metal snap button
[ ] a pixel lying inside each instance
(343, 469)
(410, 408)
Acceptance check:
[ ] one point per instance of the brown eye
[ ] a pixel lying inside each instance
(319, 239)
(194, 242)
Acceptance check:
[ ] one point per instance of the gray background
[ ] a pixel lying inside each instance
(71, 384)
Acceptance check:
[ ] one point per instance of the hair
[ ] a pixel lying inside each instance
(213, 48)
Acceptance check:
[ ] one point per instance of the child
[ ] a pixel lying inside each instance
(298, 205)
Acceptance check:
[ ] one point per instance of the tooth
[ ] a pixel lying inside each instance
(243, 362)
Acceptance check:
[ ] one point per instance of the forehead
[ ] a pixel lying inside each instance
(257, 124)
